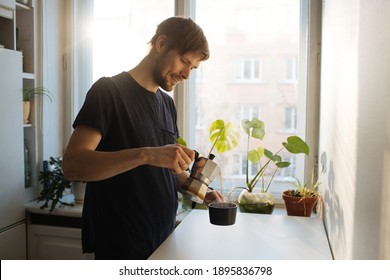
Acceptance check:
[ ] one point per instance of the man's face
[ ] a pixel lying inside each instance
(173, 68)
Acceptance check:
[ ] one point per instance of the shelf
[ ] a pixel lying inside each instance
(20, 6)
(28, 76)
(26, 125)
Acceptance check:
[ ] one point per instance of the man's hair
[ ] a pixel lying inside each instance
(184, 35)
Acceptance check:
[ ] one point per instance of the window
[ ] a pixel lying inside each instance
(250, 20)
(289, 172)
(290, 118)
(246, 112)
(291, 70)
(247, 70)
(264, 58)
(121, 32)
(257, 69)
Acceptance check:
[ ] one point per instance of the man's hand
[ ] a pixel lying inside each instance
(213, 196)
(175, 157)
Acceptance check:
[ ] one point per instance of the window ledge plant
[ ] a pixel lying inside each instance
(301, 200)
(263, 201)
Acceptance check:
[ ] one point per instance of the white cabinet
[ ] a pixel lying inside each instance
(18, 24)
(55, 243)
(13, 243)
(12, 210)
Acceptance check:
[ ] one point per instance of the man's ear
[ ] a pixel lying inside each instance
(161, 43)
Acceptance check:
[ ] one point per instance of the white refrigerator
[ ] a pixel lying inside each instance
(12, 208)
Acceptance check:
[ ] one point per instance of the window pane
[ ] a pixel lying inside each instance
(121, 32)
(252, 72)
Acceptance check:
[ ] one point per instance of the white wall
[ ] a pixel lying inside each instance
(355, 127)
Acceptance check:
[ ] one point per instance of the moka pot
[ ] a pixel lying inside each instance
(203, 172)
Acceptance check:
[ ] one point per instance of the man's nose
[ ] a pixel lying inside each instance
(185, 73)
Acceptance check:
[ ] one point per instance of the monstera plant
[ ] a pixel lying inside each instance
(268, 162)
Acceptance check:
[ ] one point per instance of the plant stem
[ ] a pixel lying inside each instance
(216, 139)
(269, 183)
(247, 160)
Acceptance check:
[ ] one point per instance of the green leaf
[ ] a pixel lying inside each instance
(260, 150)
(181, 141)
(283, 164)
(253, 156)
(271, 156)
(254, 128)
(224, 136)
(30, 92)
(296, 145)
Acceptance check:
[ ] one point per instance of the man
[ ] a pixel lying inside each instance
(124, 146)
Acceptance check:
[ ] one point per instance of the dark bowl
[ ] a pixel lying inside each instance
(222, 213)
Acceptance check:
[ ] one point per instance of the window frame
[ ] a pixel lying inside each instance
(307, 127)
(309, 82)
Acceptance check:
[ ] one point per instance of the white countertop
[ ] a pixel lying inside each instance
(59, 210)
(253, 236)
(77, 208)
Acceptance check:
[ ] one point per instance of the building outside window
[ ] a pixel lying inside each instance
(247, 70)
(263, 54)
(290, 118)
(291, 70)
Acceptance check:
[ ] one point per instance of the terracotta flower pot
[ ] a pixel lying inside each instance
(299, 206)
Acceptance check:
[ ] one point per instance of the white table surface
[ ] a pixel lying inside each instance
(253, 236)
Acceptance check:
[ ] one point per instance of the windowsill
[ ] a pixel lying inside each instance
(75, 211)
(60, 210)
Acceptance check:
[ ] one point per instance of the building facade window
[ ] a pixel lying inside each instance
(290, 118)
(290, 70)
(248, 70)
(244, 111)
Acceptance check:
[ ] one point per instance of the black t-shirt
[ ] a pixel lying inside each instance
(129, 215)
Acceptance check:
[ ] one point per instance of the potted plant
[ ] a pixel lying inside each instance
(262, 201)
(301, 200)
(54, 184)
(28, 94)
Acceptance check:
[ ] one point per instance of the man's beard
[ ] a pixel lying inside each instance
(158, 77)
(159, 80)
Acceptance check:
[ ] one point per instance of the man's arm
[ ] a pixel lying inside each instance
(81, 161)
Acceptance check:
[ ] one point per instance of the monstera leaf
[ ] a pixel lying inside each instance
(254, 128)
(224, 136)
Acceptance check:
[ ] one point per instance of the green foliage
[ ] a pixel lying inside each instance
(224, 136)
(54, 184)
(256, 129)
(181, 141)
(30, 92)
(309, 189)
